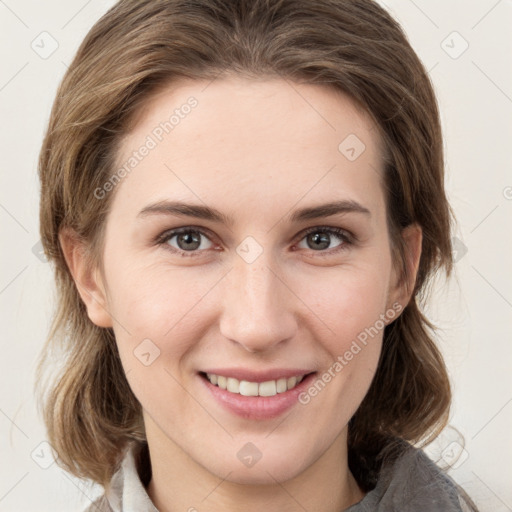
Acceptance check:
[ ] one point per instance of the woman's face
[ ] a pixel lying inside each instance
(254, 280)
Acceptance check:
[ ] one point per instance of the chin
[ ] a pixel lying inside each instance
(263, 472)
(268, 464)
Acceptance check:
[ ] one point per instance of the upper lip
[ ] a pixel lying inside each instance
(258, 375)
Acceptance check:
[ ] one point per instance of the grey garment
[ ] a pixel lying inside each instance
(413, 483)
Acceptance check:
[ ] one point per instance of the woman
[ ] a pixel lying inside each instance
(243, 202)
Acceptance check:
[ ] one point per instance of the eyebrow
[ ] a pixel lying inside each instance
(207, 213)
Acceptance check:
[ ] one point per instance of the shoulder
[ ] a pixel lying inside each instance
(413, 482)
(426, 486)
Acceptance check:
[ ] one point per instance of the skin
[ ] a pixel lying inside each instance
(256, 151)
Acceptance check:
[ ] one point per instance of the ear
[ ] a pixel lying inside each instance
(402, 288)
(87, 277)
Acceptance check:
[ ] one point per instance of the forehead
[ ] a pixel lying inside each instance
(236, 139)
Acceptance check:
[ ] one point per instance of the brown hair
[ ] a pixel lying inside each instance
(139, 46)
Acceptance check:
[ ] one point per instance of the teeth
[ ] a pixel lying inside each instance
(221, 382)
(233, 385)
(268, 388)
(246, 388)
(281, 385)
(291, 382)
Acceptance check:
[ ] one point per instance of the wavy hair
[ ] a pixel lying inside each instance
(140, 46)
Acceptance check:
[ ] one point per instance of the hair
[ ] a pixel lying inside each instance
(140, 46)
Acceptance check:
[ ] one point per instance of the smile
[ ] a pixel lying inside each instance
(247, 388)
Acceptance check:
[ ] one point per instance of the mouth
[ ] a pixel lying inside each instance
(265, 396)
(249, 388)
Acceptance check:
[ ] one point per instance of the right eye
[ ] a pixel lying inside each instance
(185, 241)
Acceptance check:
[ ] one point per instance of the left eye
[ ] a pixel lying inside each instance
(190, 242)
(320, 238)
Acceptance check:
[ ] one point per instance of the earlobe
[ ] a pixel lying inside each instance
(87, 277)
(412, 237)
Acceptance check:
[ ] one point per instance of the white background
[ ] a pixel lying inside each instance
(474, 311)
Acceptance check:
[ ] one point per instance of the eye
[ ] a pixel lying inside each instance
(187, 241)
(320, 238)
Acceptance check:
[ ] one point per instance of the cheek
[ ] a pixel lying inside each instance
(351, 304)
(352, 308)
(348, 301)
(162, 305)
(146, 295)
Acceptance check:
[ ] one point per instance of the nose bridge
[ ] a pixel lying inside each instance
(257, 305)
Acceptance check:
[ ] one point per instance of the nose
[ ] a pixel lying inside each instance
(258, 306)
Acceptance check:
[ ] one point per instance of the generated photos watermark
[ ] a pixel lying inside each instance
(344, 359)
(151, 142)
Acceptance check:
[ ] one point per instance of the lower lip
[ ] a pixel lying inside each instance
(257, 407)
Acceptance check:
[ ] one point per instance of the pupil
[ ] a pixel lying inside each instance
(187, 238)
(322, 239)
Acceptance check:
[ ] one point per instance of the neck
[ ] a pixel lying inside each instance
(180, 483)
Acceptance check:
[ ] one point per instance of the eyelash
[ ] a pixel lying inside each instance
(347, 239)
